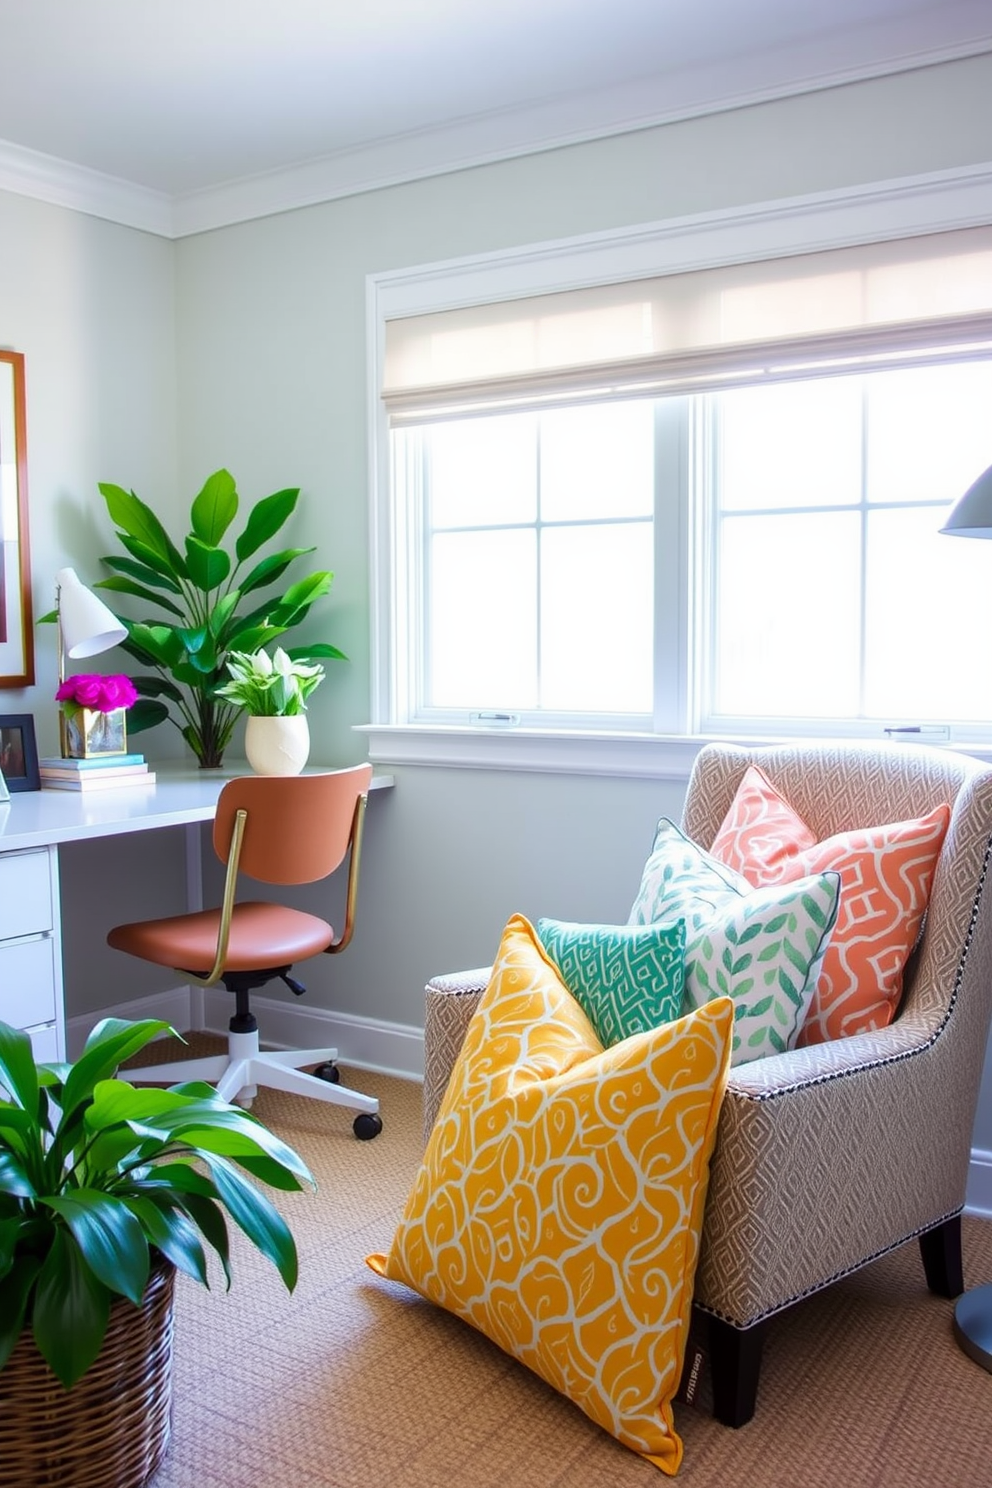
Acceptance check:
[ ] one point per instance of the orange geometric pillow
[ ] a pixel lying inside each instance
(886, 875)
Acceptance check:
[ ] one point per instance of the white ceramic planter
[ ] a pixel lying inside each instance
(278, 746)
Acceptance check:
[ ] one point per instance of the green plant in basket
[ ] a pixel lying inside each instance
(207, 605)
(96, 1175)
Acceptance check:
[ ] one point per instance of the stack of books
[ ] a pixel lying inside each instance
(98, 772)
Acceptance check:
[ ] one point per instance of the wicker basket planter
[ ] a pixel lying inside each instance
(111, 1430)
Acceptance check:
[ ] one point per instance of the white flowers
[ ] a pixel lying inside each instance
(270, 687)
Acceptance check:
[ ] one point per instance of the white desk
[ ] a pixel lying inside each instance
(32, 825)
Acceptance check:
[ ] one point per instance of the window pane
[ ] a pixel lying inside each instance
(482, 608)
(929, 432)
(596, 618)
(787, 616)
(928, 624)
(483, 471)
(790, 444)
(597, 462)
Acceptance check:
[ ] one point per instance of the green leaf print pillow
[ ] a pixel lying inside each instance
(762, 947)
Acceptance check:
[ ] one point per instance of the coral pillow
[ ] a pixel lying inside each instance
(886, 874)
(560, 1199)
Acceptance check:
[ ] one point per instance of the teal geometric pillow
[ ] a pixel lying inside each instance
(626, 978)
(762, 947)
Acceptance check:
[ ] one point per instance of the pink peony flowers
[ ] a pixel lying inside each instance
(103, 694)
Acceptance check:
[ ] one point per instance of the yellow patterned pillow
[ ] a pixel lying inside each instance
(560, 1199)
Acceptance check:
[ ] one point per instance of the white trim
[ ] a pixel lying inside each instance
(576, 119)
(558, 752)
(462, 144)
(938, 201)
(540, 751)
(172, 1006)
(978, 1197)
(364, 1043)
(59, 182)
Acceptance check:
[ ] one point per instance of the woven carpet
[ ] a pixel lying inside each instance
(353, 1382)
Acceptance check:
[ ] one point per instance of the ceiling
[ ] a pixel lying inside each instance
(206, 101)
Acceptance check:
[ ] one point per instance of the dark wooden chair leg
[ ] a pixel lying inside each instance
(941, 1252)
(735, 1363)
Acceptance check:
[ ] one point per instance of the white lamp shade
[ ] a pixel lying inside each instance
(87, 626)
(971, 514)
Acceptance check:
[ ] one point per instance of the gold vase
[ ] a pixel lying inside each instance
(85, 732)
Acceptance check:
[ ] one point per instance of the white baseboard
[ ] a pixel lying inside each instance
(366, 1043)
(978, 1199)
(172, 1007)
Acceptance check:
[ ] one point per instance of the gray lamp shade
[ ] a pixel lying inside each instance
(87, 626)
(971, 514)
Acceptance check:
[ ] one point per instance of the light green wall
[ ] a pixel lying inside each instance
(272, 359)
(152, 363)
(92, 307)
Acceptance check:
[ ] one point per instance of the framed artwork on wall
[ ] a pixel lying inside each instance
(19, 752)
(16, 635)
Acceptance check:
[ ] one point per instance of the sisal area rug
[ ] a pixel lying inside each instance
(353, 1382)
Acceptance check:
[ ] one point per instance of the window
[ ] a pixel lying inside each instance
(808, 587)
(538, 565)
(611, 507)
(835, 599)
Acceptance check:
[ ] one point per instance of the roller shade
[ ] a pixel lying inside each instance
(927, 297)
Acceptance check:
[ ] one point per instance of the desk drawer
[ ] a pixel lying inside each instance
(27, 982)
(25, 894)
(45, 1044)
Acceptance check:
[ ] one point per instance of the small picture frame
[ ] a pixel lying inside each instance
(19, 752)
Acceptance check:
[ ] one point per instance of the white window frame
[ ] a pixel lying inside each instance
(908, 207)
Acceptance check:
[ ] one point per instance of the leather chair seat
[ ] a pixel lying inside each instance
(262, 935)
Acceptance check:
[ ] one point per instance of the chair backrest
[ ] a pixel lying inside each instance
(298, 827)
(838, 786)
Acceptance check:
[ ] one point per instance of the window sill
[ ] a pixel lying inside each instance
(540, 751)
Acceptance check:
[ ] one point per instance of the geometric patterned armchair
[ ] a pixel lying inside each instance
(829, 1155)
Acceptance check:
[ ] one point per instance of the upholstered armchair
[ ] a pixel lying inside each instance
(829, 1155)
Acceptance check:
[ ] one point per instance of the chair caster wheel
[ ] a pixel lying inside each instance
(328, 1072)
(367, 1125)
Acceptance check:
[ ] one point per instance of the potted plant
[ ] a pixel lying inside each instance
(205, 603)
(105, 1190)
(274, 691)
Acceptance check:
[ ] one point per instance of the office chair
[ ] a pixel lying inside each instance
(276, 829)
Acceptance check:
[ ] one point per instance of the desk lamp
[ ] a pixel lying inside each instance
(971, 516)
(85, 625)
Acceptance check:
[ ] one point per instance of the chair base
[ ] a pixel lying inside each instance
(238, 1074)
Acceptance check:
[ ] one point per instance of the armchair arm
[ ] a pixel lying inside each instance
(450, 1002)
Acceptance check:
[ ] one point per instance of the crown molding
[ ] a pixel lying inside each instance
(478, 140)
(62, 184)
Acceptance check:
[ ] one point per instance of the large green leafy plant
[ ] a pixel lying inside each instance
(209, 604)
(95, 1172)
